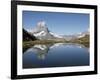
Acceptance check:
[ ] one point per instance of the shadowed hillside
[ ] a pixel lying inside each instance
(27, 36)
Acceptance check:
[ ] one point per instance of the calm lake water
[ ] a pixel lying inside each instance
(56, 55)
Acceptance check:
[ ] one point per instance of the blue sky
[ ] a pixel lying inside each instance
(57, 22)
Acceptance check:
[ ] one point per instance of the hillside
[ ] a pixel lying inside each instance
(27, 36)
(83, 40)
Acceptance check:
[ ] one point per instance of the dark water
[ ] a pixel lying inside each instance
(56, 55)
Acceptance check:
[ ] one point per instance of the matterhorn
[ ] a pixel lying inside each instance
(41, 31)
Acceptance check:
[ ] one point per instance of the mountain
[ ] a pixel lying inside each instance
(42, 32)
(85, 39)
(83, 34)
(76, 36)
(27, 36)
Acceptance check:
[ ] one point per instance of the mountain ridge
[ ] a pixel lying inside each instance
(43, 33)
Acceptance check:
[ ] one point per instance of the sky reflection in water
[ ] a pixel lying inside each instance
(56, 55)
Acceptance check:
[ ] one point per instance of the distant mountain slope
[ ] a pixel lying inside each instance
(75, 36)
(27, 36)
(85, 38)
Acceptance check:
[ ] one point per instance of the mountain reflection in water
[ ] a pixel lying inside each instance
(56, 55)
(39, 50)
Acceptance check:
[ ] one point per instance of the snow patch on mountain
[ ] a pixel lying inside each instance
(55, 35)
(42, 33)
(81, 35)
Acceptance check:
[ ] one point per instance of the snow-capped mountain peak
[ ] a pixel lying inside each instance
(41, 24)
(42, 32)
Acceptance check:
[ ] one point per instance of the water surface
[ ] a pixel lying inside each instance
(56, 55)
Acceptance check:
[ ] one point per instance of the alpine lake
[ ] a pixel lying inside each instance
(55, 55)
